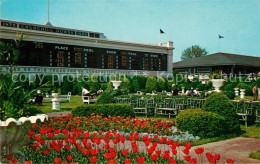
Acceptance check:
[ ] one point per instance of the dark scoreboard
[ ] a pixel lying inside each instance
(60, 55)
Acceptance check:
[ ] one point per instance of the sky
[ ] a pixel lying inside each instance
(185, 22)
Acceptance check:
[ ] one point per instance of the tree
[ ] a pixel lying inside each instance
(150, 84)
(193, 51)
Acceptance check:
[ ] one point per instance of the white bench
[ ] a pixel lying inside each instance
(65, 97)
(87, 99)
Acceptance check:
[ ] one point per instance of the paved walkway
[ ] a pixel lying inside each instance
(236, 148)
(58, 114)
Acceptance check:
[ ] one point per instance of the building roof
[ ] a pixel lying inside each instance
(219, 59)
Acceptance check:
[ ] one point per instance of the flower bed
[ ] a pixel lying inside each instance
(108, 140)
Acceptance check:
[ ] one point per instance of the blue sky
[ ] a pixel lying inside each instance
(185, 22)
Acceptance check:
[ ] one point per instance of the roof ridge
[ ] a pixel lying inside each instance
(232, 61)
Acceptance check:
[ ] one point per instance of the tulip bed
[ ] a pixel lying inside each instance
(100, 140)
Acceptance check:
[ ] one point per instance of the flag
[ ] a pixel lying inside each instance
(220, 37)
(161, 31)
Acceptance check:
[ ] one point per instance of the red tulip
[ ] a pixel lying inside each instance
(150, 150)
(187, 158)
(166, 155)
(124, 152)
(14, 161)
(45, 152)
(112, 161)
(186, 151)
(122, 139)
(199, 150)
(217, 156)
(127, 161)
(172, 161)
(154, 157)
(155, 136)
(69, 157)
(230, 161)
(140, 160)
(193, 161)
(174, 151)
(145, 138)
(154, 144)
(147, 143)
(57, 160)
(86, 152)
(158, 152)
(27, 162)
(93, 159)
(188, 145)
(37, 138)
(67, 147)
(93, 152)
(107, 156)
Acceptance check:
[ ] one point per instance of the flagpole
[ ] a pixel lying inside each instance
(48, 11)
(160, 37)
(218, 45)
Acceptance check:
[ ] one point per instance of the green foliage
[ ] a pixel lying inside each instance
(200, 123)
(14, 99)
(93, 84)
(104, 109)
(255, 155)
(150, 84)
(220, 104)
(192, 52)
(258, 82)
(161, 84)
(66, 85)
(138, 83)
(201, 87)
(248, 89)
(230, 94)
(126, 85)
(106, 97)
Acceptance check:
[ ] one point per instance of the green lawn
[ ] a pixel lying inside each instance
(74, 102)
(251, 131)
(255, 155)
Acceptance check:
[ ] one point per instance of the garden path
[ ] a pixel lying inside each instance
(58, 114)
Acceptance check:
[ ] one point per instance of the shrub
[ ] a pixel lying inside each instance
(220, 104)
(258, 82)
(106, 110)
(248, 89)
(32, 111)
(161, 84)
(230, 94)
(151, 84)
(106, 97)
(200, 123)
(200, 87)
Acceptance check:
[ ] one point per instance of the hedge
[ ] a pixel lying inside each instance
(106, 110)
(200, 123)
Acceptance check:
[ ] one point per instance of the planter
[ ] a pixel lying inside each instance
(236, 91)
(217, 83)
(242, 93)
(13, 133)
(116, 84)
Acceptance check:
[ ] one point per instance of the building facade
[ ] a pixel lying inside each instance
(54, 50)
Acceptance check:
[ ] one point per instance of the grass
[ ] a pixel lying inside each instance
(251, 131)
(255, 155)
(75, 101)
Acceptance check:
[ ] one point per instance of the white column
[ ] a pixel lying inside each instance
(242, 93)
(236, 92)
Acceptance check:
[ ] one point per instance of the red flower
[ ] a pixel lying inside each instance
(57, 160)
(27, 162)
(45, 152)
(154, 157)
(37, 138)
(140, 160)
(127, 161)
(86, 152)
(93, 159)
(155, 136)
(124, 152)
(158, 152)
(193, 161)
(150, 150)
(69, 157)
(230, 161)
(145, 138)
(188, 145)
(107, 156)
(147, 143)
(172, 161)
(174, 151)
(217, 156)
(186, 151)
(122, 139)
(187, 158)
(112, 161)
(14, 161)
(199, 150)
(166, 155)
(67, 147)
(93, 152)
